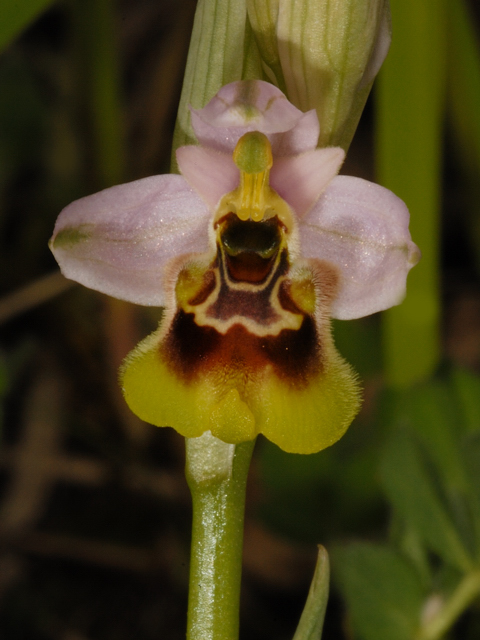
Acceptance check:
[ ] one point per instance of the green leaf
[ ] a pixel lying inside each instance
(472, 463)
(409, 487)
(443, 414)
(464, 82)
(432, 411)
(311, 622)
(16, 15)
(472, 458)
(382, 590)
(467, 387)
(412, 546)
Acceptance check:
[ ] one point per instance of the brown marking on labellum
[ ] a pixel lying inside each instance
(285, 299)
(254, 304)
(248, 267)
(207, 287)
(239, 324)
(251, 305)
(192, 351)
(327, 280)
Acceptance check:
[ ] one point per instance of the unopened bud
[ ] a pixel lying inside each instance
(324, 55)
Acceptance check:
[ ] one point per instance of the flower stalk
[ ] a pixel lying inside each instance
(466, 592)
(217, 476)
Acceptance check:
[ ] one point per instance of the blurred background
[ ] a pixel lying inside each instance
(94, 508)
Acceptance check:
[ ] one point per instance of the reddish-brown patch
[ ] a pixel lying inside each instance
(192, 351)
(253, 304)
(285, 298)
(248, 267)
(327, 280)
(207, 287)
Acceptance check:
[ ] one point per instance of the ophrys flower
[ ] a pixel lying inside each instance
(251, 251)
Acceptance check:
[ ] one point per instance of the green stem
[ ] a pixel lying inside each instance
(466, 592)
(217, 476)
(410, 108)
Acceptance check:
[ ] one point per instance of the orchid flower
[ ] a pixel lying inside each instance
(251, 250)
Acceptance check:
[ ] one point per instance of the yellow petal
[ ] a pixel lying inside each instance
(310, 419)
(232, 420)
(235, 408)
(156, 394)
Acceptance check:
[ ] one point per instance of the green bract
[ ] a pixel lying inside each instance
(324, 55)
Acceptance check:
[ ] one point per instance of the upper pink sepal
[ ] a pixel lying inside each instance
(119, 240)
(255, 105)
(361, 228)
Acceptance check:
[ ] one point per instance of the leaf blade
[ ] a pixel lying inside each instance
(16, 15)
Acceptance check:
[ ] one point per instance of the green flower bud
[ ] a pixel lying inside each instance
(324, 55)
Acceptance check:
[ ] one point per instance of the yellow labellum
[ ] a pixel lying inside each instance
(236, 408)
(248, 349)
